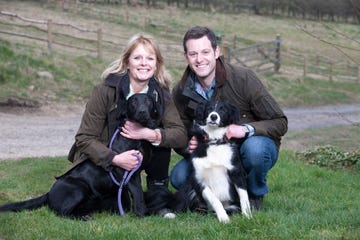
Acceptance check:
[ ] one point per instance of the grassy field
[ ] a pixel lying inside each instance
(305, 202)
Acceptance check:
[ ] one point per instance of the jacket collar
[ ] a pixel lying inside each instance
(122, 84)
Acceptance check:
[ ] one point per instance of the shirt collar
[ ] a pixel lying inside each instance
(205, 93)
(131, 92)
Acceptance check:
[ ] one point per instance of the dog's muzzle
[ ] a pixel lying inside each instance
(213, 119)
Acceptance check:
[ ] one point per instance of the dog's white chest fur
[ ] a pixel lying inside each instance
(212, 169)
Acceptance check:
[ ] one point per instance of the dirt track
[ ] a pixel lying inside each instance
(50, 131)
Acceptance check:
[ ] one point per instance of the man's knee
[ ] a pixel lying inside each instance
(180, 173)
(257, 150)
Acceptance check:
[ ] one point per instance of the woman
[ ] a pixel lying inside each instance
(140, 69)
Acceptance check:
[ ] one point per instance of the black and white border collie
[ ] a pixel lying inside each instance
(218, 176)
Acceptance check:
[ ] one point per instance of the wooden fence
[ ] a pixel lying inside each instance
(321, 67)
(77, 40)
(262, 57)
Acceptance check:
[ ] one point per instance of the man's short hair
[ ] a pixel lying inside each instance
(199, 32)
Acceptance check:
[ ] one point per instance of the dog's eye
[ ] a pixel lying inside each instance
(148, 102)
(134, 102)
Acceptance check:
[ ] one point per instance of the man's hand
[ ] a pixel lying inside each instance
(236, 131)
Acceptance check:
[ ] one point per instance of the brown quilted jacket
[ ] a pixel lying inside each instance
(99, 122)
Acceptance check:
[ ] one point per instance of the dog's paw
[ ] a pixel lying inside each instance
(224, 218)
(247, 213)
(232, 209)
(140, 211)
(86, 217)
(245, 208)
(166, 213)
(170, 215)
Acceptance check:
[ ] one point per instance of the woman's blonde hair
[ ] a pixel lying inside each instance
(121, 64)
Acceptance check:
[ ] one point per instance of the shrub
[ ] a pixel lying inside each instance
(330, 157)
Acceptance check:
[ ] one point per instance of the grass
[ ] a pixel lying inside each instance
(305, 202)
(20, 67)
(312, 92)
(346, 138)
(74, 77)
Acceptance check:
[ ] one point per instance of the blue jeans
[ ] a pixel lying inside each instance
(259, 154)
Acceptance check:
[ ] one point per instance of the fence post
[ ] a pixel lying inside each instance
(317, 63)
(99, 43)
(331, 71)
(127, 17)
(305, 67)
(225, 52)
(277, 53)
(49, 35)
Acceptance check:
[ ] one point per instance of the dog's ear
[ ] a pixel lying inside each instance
(156, 112)
(123, 90)
(200, 117)
(121, 107)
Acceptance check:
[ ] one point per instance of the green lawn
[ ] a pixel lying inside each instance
(305, 202)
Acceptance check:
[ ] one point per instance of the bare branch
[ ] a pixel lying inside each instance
(336, 46)
(342, 34)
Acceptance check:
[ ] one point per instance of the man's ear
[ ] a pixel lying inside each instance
(217, 52)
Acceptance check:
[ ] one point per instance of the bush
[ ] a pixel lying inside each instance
(330, 157)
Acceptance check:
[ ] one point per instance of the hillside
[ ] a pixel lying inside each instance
(73, 72)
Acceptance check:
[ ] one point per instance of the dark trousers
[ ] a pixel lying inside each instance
(158, 168)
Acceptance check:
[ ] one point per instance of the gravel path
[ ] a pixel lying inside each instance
(51, 132)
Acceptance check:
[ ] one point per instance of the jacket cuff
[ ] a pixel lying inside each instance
(107, 165)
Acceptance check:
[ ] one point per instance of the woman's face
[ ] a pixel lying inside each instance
(142, 64)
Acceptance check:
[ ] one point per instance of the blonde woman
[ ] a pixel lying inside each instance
(139, 69)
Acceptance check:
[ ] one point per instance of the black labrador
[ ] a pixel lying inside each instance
(88, 188)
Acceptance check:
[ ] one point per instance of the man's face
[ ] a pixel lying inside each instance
(202, 58)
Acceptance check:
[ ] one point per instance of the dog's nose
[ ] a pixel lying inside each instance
(213, 117)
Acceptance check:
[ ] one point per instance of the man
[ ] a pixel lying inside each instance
(263, 123)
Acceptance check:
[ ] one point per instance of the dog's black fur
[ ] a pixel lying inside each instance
(216, 164)
(88, 188)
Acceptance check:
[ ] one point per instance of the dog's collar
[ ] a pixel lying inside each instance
(216, 141)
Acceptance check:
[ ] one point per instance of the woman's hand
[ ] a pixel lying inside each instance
(134, 130)
(127, 160)
(193, 143)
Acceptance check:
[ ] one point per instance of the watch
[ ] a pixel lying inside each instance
(246, 130)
